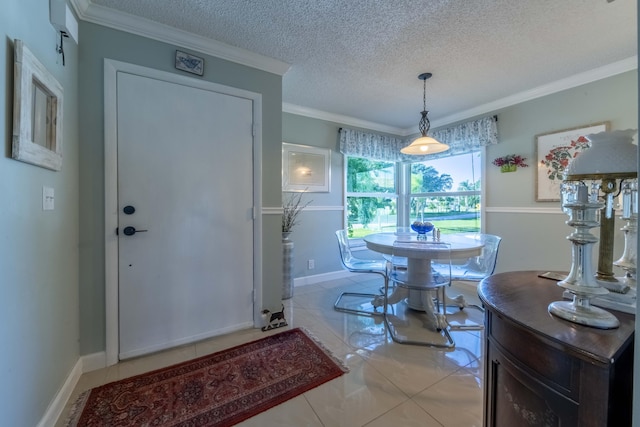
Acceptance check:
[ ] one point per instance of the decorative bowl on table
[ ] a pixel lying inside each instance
(422, 227)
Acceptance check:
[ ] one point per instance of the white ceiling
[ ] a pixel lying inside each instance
(359, 60)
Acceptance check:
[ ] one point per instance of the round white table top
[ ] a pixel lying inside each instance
(460, 245)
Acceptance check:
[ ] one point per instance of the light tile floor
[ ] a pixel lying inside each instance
(388, 384)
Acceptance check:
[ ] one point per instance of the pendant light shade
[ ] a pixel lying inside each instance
(424, 144)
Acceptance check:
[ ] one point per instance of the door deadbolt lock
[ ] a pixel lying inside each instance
(130, 231)
(129, 210)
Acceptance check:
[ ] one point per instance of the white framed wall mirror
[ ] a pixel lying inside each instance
(37, 112)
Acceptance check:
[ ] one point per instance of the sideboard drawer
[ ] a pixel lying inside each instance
(557, 368)
(519, 399)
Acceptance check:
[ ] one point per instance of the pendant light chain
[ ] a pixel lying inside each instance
(424, 95)
(424, 123)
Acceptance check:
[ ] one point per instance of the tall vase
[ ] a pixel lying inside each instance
(287, 266)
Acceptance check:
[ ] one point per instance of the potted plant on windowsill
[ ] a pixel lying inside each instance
(510, 163)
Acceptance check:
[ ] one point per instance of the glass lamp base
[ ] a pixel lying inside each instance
(584, 315)
(625, 303)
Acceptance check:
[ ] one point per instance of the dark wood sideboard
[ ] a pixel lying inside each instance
(544, 371)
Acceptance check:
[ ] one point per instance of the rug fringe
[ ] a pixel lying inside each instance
(76, 409)
(326, 351)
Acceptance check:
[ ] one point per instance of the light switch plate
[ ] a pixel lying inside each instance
(47, 199)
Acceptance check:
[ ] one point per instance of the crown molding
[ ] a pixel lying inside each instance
(345, 120)
(111, 18)
(576, 80)
(585, 77)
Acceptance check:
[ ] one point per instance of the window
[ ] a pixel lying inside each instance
(447, 192)
(371, 196)
(386, 189)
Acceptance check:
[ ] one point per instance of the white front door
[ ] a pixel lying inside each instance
(185, 184)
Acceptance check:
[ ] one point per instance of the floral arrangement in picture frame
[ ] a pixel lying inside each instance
(37, 112)
(554, 152)
(189, 63)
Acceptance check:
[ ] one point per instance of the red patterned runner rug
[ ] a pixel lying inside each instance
(220, 389)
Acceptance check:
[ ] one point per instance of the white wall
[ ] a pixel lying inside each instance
(38, 249)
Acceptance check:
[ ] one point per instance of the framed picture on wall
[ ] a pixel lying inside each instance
(305, 168)
(554, 151)
(189, 63)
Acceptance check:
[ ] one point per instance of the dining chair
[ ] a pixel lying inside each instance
(362, 301)
(472, 270)
(413, 313)
(476, 268)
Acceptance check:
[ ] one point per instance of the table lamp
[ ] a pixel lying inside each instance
(628, 260)
(590, 184)
(626, 300)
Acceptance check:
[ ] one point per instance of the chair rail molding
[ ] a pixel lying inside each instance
(270, 210)
(556, 210)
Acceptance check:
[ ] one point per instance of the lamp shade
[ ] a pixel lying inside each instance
(611, 153)
(424, 145)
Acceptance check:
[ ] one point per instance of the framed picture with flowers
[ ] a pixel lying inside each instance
(554, 151)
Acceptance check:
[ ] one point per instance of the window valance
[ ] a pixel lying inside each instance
(461, 138)
(371, 145)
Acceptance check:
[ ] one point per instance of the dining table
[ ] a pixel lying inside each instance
(419, 252)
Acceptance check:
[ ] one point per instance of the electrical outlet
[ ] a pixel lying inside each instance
(311, 264)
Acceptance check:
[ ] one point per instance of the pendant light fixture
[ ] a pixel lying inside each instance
(424, 144)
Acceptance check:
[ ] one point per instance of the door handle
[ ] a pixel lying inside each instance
(130, 231)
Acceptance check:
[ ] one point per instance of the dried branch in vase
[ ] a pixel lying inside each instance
(291, 209)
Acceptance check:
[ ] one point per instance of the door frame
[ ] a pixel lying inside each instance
(111, 70)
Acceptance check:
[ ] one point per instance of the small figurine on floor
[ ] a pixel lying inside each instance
(276, 320)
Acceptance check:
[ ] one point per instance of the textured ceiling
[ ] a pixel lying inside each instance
(362, 58)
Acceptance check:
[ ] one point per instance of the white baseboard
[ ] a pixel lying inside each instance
(62, 397)
(94, 361)
(318, 278)
(87, 363)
